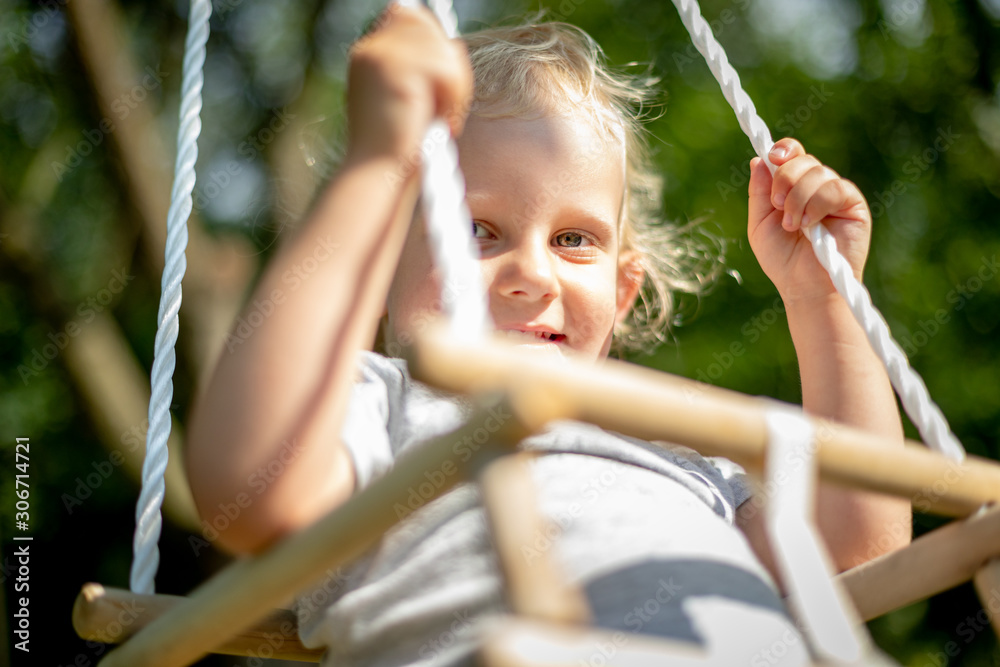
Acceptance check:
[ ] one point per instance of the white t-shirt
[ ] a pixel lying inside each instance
(647, 532)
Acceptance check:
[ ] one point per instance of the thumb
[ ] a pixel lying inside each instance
(760, 193)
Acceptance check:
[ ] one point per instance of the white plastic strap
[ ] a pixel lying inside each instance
(835, 631)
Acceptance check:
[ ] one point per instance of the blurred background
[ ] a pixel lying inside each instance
(900, 96)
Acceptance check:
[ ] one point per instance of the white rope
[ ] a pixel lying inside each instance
(834, 630)
(912, 391)
(445, 13)
(449, 224)
(148, 520)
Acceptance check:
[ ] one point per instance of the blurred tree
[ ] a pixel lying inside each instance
(898, 95)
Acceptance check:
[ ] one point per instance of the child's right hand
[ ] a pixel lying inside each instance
(404, 73)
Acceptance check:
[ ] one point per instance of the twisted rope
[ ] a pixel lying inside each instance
(148, 520)
(912, 391)
(449, 223)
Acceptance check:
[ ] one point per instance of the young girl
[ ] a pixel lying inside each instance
(562, 199)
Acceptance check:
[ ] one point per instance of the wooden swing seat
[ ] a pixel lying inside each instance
(640, 402)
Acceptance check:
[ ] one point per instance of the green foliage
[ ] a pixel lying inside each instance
(869, 87)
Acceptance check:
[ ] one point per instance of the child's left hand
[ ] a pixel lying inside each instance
(803, 192)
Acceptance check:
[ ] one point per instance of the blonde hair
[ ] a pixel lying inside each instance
(540, 67)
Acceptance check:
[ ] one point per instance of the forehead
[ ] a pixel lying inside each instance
(544, 161)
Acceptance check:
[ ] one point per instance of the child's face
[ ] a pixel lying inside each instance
(546, 197)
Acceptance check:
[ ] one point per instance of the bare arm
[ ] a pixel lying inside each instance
(842, 379)
(263, 441)
(267, 424)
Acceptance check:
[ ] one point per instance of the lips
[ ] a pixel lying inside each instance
(530, 335)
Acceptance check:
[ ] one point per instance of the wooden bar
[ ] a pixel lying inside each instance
(638, 401)
(245, 592)
(113, 615)
(535, 585)
(935, 562)
(987, 582)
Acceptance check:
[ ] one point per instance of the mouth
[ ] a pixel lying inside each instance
(520, 336)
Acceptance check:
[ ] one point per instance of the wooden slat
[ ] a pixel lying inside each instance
(535, 585)
(245, 592)
(112, 616)
(935, 562)
(988, 587)
(638, 401)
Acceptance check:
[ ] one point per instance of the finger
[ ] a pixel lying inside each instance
(833, 197)
(785, 150)
(454, 87)
(760, 192)
(787, 175)
(802, 193)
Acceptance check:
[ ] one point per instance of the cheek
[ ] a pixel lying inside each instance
(591, 303)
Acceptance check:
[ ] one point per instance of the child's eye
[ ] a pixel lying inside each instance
(570, 239)
(479, 231)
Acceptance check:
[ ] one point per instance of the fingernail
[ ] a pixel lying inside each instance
(805, 221)
(779, 152)
(779, 199)
(786, 221)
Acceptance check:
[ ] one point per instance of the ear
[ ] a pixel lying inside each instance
(630, 277)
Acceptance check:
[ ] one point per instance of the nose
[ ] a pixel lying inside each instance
(528, 271)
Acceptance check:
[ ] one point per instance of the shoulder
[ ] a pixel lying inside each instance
(411, 411)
